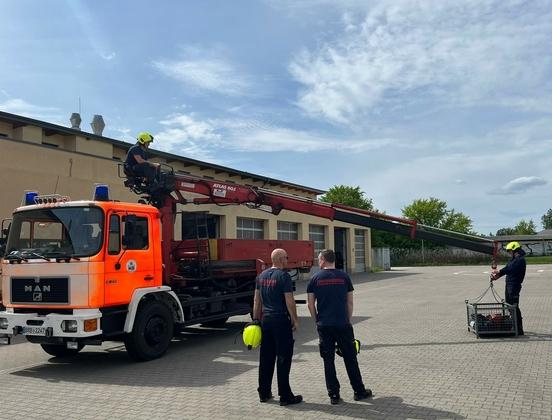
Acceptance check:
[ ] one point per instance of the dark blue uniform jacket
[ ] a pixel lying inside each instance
(515, 269)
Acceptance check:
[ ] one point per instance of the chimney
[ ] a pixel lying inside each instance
(97, 125)
(75, 121)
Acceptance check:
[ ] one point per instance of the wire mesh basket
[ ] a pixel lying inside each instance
(491, 318)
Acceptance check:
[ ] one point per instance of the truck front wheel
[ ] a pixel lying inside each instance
(60, 350)
(152, 332)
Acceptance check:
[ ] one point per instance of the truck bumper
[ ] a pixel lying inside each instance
(71, 327)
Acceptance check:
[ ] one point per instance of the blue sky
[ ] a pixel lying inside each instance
(407, 99)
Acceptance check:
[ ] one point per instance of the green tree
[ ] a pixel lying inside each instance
(435, 212)
(505, 231)
(348, 196)
(546, 220)
(525, 228)
(354, 197)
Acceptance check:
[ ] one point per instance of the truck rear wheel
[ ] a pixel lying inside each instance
(61, 350)
(152, 332)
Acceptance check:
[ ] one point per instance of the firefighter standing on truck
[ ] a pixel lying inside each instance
(136, 161)
(274, 301)
(515, 273)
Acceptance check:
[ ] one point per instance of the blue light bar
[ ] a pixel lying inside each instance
(30, 197)
(101, 192)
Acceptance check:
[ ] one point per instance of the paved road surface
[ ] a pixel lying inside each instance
(417, 356)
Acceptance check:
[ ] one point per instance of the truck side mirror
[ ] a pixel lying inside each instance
(5, 230)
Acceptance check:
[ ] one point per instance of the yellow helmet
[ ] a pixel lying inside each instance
(357, 348)
(144, 137)
(512, 246)
(252, 335)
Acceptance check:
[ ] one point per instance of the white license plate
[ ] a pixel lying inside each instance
(34, 331)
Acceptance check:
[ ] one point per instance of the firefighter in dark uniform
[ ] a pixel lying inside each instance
(515, 273)
(275, 306)
(330, 300)
(136, 161)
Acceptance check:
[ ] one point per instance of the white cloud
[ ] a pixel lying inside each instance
(405, 54)
(208, 72)
(520, 185)
(186, 134)
(278, 139)
(93, 30)
(108, 57)
(22, 107)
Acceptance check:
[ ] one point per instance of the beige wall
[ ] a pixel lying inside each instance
(78, 163)
(6, 129)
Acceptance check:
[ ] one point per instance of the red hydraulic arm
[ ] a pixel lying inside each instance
(220, 193)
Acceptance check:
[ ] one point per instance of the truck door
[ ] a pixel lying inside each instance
(129, 263)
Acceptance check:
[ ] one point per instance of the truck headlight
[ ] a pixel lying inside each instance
(69, 325)
(3, 323)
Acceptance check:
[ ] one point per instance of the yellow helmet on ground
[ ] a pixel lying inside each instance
(357, 348)
(144, 137)
(252, 335)
(512, 246)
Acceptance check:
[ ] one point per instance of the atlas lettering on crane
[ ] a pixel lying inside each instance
(219, 190)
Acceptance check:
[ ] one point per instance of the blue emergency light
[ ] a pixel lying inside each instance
(101, 192)
(30, 197)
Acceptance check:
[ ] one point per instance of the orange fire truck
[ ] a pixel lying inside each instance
(78, 273)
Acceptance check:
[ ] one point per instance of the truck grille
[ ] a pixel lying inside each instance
(39, 290)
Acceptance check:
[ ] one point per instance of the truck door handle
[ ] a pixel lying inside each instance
(148, 277)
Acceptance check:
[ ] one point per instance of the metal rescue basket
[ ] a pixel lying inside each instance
(495, 318)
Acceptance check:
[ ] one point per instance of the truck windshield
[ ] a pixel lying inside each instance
(63, 232)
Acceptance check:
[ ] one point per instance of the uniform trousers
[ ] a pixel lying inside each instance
(343, 336)
(276, 349)
(511, 296)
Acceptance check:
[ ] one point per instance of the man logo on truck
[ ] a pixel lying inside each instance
(37, 288)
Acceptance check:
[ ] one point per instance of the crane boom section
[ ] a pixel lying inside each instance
(223, 193)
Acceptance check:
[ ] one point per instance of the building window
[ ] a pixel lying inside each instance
(249, 228)
(317, 235)
(288, 231)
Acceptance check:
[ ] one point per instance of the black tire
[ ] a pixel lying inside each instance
(61, 350)
(217, 323)
(152, 332)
